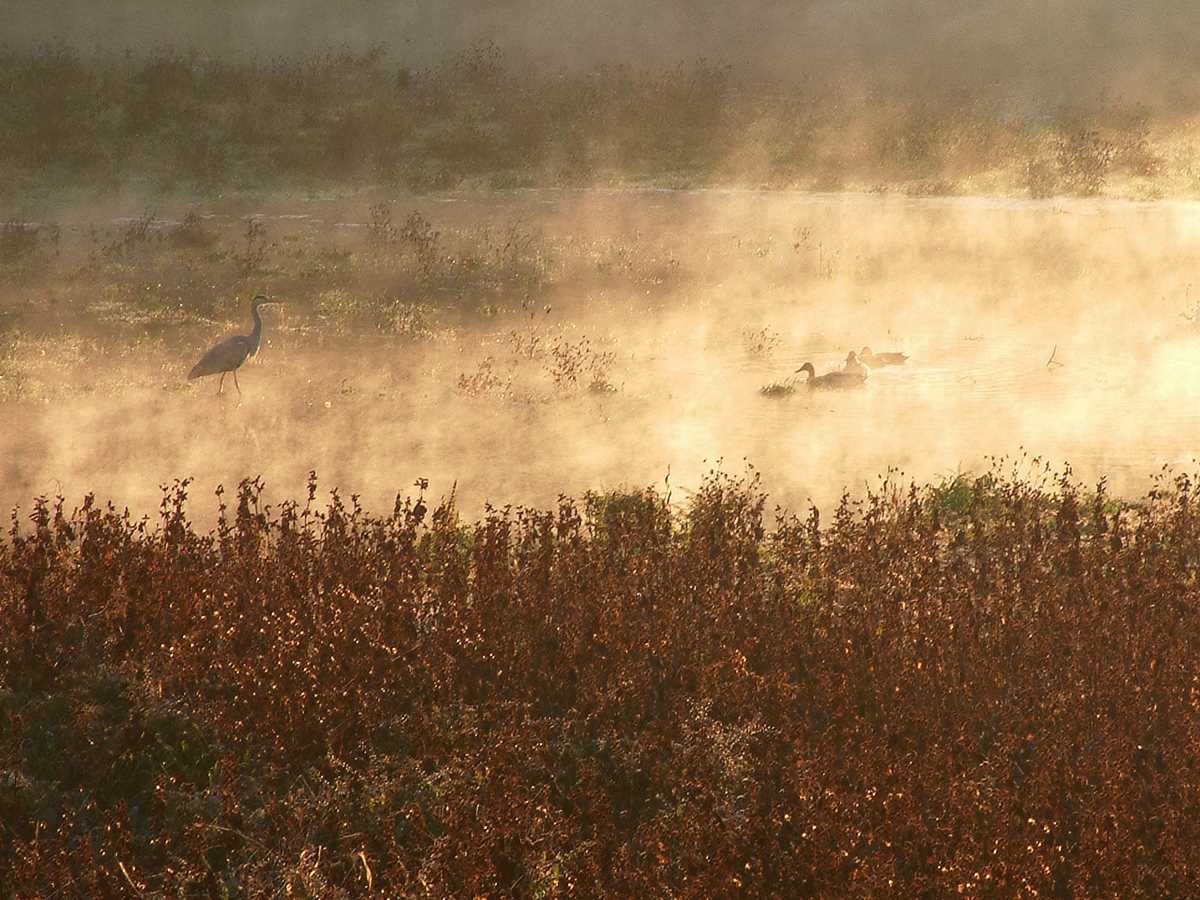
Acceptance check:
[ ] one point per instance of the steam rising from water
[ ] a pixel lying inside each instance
(980, 293)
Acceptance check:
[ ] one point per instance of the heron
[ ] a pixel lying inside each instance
(229, 355)
(832, 380)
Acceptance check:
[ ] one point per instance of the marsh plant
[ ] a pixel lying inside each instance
(980, 685)
(27, 248)
(761, 341)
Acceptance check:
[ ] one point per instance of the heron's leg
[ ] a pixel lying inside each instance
(236, 385)
(221, 385)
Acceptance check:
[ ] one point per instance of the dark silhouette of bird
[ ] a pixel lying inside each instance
(879, 360)
(838, 381)
(229, 355)
(854, 365)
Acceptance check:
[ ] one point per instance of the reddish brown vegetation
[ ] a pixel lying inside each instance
(992, 690)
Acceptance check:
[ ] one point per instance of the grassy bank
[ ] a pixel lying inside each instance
(984, 686)
(172, 121)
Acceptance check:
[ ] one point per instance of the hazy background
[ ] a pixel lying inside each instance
(695, 299)
(1045, 51)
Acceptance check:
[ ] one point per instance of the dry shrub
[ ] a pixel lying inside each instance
(574, 364)
(1084, 158)
(984, 687)
(762, 341)
(485, 381)
(192, 234)
(251, 256)
(26, 248)
(176, 120)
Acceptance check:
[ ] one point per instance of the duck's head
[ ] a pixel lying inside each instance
(263, 300)
(851, 357)
(807, 367)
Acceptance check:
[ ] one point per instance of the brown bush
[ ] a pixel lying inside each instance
(986, 687)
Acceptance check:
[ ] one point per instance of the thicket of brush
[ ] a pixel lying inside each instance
(987, 687)
(178, 120)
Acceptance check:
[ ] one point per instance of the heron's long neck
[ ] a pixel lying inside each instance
(256, 333)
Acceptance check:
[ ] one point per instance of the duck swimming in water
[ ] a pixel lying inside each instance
(879, 360)
(837, 381)
(853, 365)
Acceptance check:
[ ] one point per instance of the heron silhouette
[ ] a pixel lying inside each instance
(229, 355)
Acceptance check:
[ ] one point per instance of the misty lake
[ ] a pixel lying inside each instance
(1051, 329)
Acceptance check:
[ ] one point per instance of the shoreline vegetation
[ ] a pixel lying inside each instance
(985, 686)
(177, 121)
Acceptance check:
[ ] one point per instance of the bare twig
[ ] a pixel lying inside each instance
(362, 856)
(125, 872)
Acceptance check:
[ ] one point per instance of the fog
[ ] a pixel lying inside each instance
(621, 337)
(1044, 52)
(980, 293)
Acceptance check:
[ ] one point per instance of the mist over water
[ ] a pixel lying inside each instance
(1055, 329)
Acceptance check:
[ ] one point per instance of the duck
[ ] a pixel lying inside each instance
(838, 381)
(879, 360)
(854, 365)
